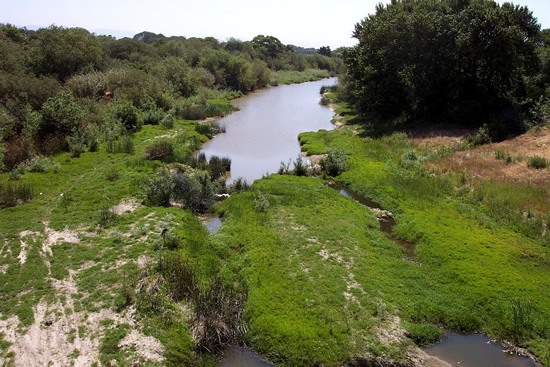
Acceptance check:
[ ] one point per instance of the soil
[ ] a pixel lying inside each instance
(481, 162)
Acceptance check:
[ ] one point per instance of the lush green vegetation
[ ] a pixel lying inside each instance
(324, 281)
(64, 89)
(470, 63)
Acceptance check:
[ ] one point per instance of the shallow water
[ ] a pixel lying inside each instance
(264, 132)
(212, 223)
(476, 350)
(386, 222)
(242, 357)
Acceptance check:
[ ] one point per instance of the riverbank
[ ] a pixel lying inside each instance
(325, 286)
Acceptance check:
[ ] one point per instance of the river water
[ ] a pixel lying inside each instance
(261, 135)
(264, 132)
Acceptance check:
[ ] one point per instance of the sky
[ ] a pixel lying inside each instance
(306, 23)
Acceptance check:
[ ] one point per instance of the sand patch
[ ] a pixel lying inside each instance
(23, 253)
(53, 237)
(146, 346)
(124, 207)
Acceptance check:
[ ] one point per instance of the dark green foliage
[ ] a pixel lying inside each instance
(167, 121)
(112, 174)
(195, 192)
(106, 217)
(126, 114)
(537, 162)
(12, 194)
(62, 114)
(426, 60)
(237, 185)
(300, 167)
(158, 190)
(123, 145)
(218, 166)
(335, 163)
(483, 136)
(65, 51)
(180, 275)
(204, 129)
(160, 149)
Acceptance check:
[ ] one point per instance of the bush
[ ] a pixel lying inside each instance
(218, 166)
(167, 121)
(15, 194)
(335, 163)
(204, 129)
(106, 217)
(159, 190)
(126, 114)
(112, 174)
(160, 149)
(537, 162)
(261, 203)
(40, 164)
(483, 136)
(195, 192)
(300, 167)
(191, 113)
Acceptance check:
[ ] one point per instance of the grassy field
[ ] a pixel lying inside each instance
(89, 274)
(68, 257)
(325, 285)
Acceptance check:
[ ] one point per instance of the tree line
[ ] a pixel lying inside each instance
(66, 88)
(467, 62)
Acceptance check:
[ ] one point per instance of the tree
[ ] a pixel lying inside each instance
(64, 51)
(267, 46)
(325, 51)
(459, 60)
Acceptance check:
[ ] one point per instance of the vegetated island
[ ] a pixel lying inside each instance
(97, 252)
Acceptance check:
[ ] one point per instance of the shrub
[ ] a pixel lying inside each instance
(261, 203)
(335, 163)
(40, 164)
(300, 167)
(237, 185)
(483, 136)
(195, 192)
(167, 121)
(106, 216)
(160, 149)
(112, 174)
(191, 113)
(126, 114)
(15, 194)
(159, 190)
(537, 162)
(218, 166)
(204, 129)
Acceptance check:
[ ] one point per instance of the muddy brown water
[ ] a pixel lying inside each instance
(264, 132)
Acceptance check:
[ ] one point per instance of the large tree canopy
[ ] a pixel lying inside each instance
(432, 60)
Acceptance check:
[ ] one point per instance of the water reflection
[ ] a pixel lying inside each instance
(476, 350)
(242, 357)
(264, 132)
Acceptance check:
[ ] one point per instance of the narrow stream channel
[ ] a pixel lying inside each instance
(262, 135)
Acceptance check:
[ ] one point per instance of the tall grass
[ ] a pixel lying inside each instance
(13, 194)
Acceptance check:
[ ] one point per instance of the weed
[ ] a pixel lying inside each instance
(537, 162)
(261, 203)
(335, 163)
(112, 174)
(160, 149)
(106, 217)
(159, 190)
(300, 167)
(13, 194)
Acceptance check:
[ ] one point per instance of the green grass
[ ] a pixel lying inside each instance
(77, 198)
(293, 77)
(474, 263)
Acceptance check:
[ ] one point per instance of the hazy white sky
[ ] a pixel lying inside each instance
(307, 23)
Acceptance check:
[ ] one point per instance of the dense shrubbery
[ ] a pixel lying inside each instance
(466, 62)
(66, 89)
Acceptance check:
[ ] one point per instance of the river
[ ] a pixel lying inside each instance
(264, 133)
